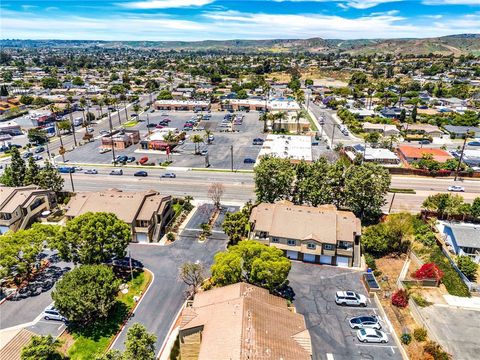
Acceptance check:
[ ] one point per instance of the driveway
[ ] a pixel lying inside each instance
(456, 329)
(165, 296)
(332, 337)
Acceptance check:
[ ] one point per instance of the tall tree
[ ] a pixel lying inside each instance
(49, 178)
(42, 348)
(86, 294)
(273, 179)
(32, 172)
(93, 238)
(14, 174)
(139, 344)
(192, 274)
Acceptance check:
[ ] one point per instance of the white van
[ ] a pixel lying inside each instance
(50, 313)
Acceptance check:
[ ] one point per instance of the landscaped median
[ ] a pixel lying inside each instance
(82, 343)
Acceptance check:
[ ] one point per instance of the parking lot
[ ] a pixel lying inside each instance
(332, 337)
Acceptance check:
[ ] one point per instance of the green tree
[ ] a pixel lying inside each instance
(164, 95)
(50, 83)
(414, 114)
(242, 94)
(192, 274)
(42, 348)
(467, 266)
(14, 174)
(236, 224)
(197, 139)
(365, 189)
(32, 172)
(93, 238)
(139, 344)
(87, 293)
(252, 262)
(37, 136)
(64, 125)
(3, 91)
(372, 138)
(110, 355)
(273, 179)
(374, 240)
(358, 78)
(78, 81)
(49, 178)
(475, 208)
(312, 184)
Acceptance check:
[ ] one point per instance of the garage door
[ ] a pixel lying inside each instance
(142, 237)
(292, 255)
(325, 259)
(342, 261)
(309, 257)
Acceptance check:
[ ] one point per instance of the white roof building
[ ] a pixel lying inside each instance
(293, 147)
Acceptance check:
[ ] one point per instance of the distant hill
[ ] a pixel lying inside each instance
(453, 44)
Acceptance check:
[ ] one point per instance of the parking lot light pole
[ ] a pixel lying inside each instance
(231, 156)
(71, 180)
(111, 138)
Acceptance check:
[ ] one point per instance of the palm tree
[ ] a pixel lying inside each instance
(264, 118)
(72, 126)
(300, 114)
(83, 102)
(282, 115)
(207, 135)
(170, 138)
(54, 110)
(196, 139)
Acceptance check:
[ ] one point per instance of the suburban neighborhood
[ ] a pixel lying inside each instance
(279, 196)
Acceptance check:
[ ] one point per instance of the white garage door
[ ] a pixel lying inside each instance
(309, 257)
(292, 255)
(142, 237)
(325, 259)
(342, 261)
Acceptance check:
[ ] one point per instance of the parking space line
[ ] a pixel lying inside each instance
(379, 346)
(361, 308)
(330, 356)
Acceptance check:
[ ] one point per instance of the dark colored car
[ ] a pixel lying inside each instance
(27, 155)
(151, 125)
(248, 161)
(131, 159)
(39, 149)
(141, 173)
(257, 141)
(424, 142)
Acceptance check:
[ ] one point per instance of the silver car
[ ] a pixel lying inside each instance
(364, 322)
(50, 313)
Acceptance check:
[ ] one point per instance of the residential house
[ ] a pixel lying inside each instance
(461, 131)
(146, 212)
(391, 112)
(362, 113)
(369, 154)
(470, 157)
(464, 239)
(427, 129)
(383, 129)
(321, 234)
(241, 322)
(411, 153)
(20, 206)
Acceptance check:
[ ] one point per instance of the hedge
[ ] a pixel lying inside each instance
(452, 281)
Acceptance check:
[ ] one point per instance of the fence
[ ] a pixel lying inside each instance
(417, 315)
(422, 172)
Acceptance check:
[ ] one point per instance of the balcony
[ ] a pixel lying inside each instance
(345, 251)
(328, 252)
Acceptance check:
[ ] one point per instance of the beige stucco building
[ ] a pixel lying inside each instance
(321, 234)
(20, 206)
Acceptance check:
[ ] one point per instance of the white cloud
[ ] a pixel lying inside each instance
(28, 7)
(163, 4)
(345, 4)
(222, 25)
(451, 2)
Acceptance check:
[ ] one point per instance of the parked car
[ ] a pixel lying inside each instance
(130, 159)
(257, 141)
(350, 298)
(152, 111)
(169, 175)
(116, 172)
(425, 142)
(204, 152)
(91, 171)
(160, 126)
(104, 132)
(141, 173)
(39, 149)
(372, 336)
(249, 161)
(456, 188)
(164, 114)
(133, 115)
(474, 143)
(90, 130)
(27, 155)
(363, 322)
(121, 159)
(151, 125)
(50, 313)
(37, 157)
(104, 150)
(211, 137)
(143, 160)
(66, 169)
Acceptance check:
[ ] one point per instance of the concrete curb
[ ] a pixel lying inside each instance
(168, 339)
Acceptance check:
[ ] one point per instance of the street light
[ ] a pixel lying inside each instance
(111, 138)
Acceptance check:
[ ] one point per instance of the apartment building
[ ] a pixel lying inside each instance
(20, 206)
(321, 234)
(147, 212)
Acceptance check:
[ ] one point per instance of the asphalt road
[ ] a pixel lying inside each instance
(239, 186)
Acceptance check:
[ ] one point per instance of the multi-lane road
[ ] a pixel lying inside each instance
(239, 186)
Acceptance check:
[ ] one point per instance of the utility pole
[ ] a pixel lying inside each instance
(111, 138)
(71, 179)
(461, 155)
(391, 203)
(73, 129)
(148, 124)
(231, 156)
(333, 133)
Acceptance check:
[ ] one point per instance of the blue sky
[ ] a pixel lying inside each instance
(235, 19)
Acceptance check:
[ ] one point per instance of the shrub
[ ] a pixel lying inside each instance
(452, 281)
(420, 300)
(400, 298)
(370, 261)
(467, 266)
(420, 334)
(436, 351)
(429, 271)
(170, 236)
(406, 338)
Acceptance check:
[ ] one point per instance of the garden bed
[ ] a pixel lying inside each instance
(82, 343)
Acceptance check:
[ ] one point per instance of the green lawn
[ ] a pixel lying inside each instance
(93, 340)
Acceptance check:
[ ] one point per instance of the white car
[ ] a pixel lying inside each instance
(456, 188)
(50, 313)
(350, 298)
(90, 130)
(372, 336)
(364, 322)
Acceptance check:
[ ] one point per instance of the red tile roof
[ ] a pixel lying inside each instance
(411, 152)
